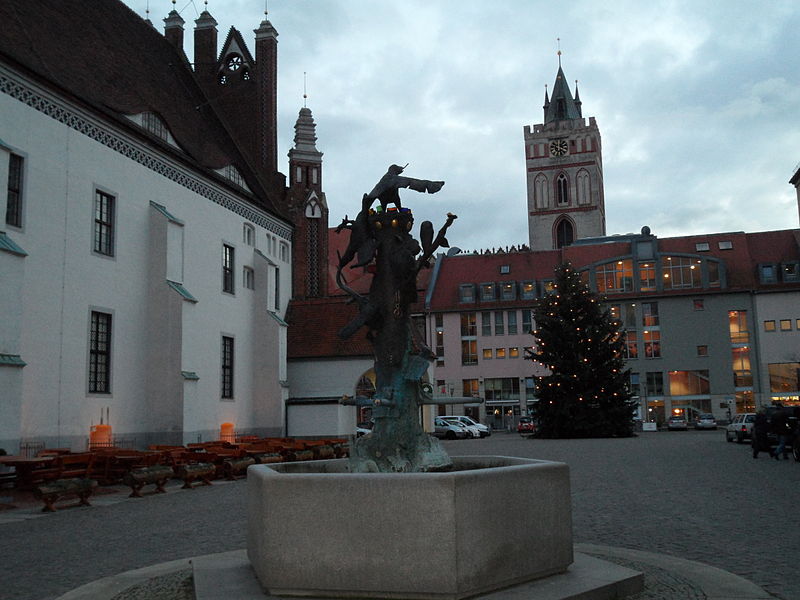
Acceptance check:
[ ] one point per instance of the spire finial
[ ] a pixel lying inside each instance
(304, 90)
(147, 10)
(558, 40)
(266, 7)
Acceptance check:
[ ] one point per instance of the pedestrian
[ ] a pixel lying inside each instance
(782, 430)
(760, 434)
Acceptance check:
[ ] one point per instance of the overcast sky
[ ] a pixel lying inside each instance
(697, 103)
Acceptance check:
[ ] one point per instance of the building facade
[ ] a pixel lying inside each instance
(145, 255)
(711, 322)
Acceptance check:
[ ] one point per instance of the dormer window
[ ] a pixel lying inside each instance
(155, 125)
(487, 292)
(466, 292)
(232, 174)
(508, 291)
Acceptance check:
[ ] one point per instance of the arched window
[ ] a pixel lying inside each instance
(565, 234)
(562, 190)
(540, 192)
(584, 190)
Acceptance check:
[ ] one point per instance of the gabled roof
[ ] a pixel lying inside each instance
(562, 106)
(105, 57)
(235, 43)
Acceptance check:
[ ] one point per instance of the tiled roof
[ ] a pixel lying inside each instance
(313, 328)
(740, 252)
(485, 268)
(106, 57)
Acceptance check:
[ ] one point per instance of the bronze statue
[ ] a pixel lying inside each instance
(380, 240)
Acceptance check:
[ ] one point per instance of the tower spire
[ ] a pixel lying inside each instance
(558, 41)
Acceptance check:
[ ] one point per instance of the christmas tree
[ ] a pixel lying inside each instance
(586, 393)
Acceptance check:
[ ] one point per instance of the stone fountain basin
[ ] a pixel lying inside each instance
(315, 529)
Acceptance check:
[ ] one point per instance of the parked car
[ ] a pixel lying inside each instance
(705, 421)
(448, 430)
(677, 423)
(526, 426)
(483, 430)
(740, 428)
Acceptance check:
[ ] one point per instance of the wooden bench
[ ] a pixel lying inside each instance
(264, 458)
(236, 467)
(137, 478)
(50, 492)
(192, 472)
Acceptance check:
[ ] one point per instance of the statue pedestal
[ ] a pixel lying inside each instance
(315, 529)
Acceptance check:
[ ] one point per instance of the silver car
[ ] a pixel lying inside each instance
(740, 428)
(470, 424)
(705, 421)
(449, 430)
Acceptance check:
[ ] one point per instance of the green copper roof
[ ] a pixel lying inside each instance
(182, 291)
(163, 210)
(562, 106)
(11, 360)
(8, 245)
(190, 375)
(277, 318)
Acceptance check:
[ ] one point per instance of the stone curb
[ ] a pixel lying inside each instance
(714, 583)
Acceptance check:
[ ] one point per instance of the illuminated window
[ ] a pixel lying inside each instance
(615, 276)
(513, 352)
(487, 354)
(652, 343)
(786, 324)
(681, 272)
(487, 292)
(647, 276)
(688, 383)
(500, 352)
(528, 290)
(737, 323)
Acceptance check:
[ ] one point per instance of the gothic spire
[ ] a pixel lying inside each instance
(562, 106)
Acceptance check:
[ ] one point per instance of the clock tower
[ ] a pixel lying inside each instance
(565, 172)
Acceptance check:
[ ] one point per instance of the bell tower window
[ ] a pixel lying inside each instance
(562, 190)
(565, 234)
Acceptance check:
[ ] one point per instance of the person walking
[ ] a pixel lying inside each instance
(760, 438)
(781, 429)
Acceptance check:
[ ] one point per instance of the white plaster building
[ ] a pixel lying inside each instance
(144, 256)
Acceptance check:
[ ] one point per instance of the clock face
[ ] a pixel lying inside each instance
(558, 147)
(235, 62)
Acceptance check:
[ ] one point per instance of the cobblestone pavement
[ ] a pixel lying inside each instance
(685, 494)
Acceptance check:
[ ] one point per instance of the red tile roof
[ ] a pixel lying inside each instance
(741, 261)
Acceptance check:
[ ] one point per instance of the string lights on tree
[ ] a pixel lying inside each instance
(586, 392)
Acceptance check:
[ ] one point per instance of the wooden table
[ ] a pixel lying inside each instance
(26, 467)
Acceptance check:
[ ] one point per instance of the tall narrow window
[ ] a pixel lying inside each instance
(499, 325)
(103, 223)
(486, 323)
(100, 353)
(248, 278)
(511, 317)
(584, 191)
(14, 205)
(227, 367)
(249, 234)
(439, 327)
(737, 323)
(562, 190)
(277, 288)
(228, 264)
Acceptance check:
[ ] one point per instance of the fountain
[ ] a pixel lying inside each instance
(400, 518)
